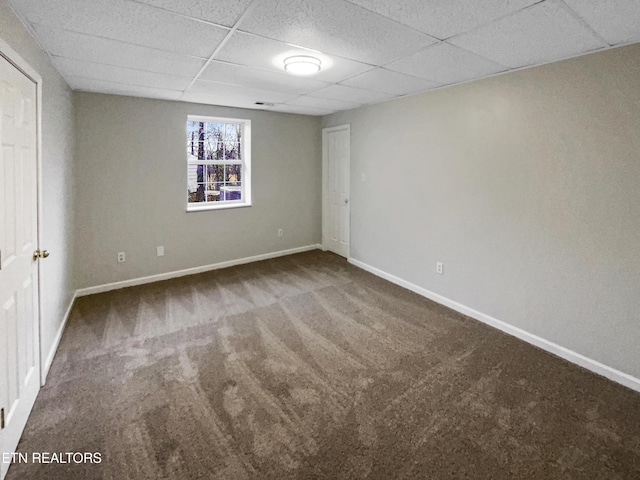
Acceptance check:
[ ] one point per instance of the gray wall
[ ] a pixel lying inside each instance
(526, 186)
(131, 189)
(57, 272)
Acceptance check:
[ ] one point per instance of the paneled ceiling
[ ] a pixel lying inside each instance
(230, 52)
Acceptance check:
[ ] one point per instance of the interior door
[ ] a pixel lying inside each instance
(336, 143)
(19, 332)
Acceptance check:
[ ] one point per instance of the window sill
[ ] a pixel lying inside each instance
(224, 206)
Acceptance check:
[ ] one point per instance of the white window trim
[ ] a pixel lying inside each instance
(245, 162)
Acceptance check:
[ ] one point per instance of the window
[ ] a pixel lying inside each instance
(218, 163)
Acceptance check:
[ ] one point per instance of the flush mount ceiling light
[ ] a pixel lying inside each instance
(302, 65)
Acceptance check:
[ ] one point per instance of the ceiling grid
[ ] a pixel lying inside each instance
(231, 52)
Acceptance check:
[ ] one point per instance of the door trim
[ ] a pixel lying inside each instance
(325, 187)
(21, 64)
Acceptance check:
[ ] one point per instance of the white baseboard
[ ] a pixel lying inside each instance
(573, 357)
(44, 371)
(191, 271)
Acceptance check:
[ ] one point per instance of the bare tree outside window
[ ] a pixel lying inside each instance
(216, 160)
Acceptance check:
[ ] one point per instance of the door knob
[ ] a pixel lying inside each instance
(40, 254)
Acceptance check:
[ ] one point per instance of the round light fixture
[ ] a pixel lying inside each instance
(302, 65)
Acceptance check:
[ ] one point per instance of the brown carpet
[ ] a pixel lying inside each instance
(305, 367)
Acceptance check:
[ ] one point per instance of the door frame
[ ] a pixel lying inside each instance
(325, 187)
(23, 66)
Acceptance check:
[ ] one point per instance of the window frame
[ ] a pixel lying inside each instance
(244, 162)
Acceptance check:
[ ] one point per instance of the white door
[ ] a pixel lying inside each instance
(19, 333)
(336, 143)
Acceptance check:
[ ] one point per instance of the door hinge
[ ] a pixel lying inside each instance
(2, 419)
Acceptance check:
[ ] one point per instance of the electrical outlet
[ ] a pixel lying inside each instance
(120, 257)
(280, 232)
(160, 251)
(439, 268)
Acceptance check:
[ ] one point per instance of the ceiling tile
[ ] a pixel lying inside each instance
(269, 54)
(102, 86)
(61, 43)
(256, 78)
(222, 13)
(248, 96)
(128, 22)
(351, 94)
(335, 27)
(323, 103)
(443, 19)
(287, 108)
(543, 33)
(446, 64)
(237, 100)
(109, 73)
(618, 21)
(387, 81)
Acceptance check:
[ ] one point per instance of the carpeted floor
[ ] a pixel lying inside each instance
(305, 367)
